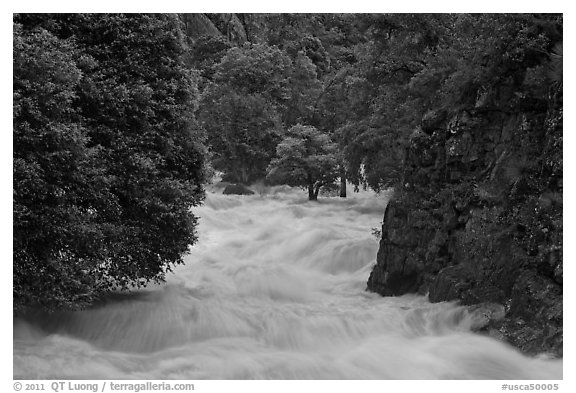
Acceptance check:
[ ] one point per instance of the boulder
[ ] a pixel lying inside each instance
(486, 315)
(399, 267)
(237, 189)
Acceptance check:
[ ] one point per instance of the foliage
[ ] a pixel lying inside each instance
(108, 159)
(257, 69)
(414, 65)
(205, 54)
(242, 133)
(241, 110)
(305, 158)
(305, 89)
(370, 80)
(306, 47)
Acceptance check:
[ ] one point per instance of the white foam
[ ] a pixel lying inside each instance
(274, 289)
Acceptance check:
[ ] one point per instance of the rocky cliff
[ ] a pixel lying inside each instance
(478, 218)
(229, 26)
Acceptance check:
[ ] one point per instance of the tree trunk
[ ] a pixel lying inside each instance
(244, 174)
(343, 186)
(312, 196)
(317, 191)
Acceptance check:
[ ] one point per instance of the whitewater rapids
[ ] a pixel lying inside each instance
(274, 289)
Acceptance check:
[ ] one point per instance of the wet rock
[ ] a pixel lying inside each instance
(477, 222)
(535, 295)
(237, 189)
(399, 267)
(433, 120)
(485, 315)
(451, 283)
(534, 319)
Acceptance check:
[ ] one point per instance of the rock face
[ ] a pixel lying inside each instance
(237, 189)
(225, 25)
(479, 217)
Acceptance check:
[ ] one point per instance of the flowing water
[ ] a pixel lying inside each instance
(274, 289)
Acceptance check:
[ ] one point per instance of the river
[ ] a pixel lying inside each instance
(274, 289)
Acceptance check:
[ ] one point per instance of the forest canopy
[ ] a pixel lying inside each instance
(365, 80)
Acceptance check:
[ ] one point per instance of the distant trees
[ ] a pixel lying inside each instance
(305, 158)
(369, 80)
(304, 90)
(296, 70)
(108, 158)
(241, 110)
(204, 55)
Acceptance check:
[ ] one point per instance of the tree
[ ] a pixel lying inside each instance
(205, 53)
(108, 158)
(241, 110)
(304, 91)
(242, 133)
(321, 47)
(305, 158)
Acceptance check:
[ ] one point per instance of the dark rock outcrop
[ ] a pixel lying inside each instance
(237, 189)
(215, 25)
(478, 218)
(197, 25)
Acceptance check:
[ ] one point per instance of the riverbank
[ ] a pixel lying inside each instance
(274, 289)
(478, 219)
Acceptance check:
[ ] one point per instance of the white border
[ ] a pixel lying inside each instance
(6, 383)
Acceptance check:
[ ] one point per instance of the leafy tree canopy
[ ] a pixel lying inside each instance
(241, 110)
(108, 158)
(305, 158)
